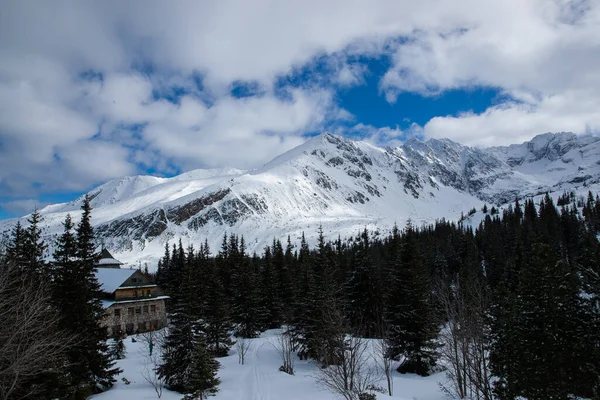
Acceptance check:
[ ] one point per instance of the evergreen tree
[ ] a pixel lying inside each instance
(246, 310)
(365, 291)
(77, 295)
(188, 366)
(318, 336)
(270, 299)
(546, 347)
(15, 251)
(34, 247)
(202, 379)
(217, 311)
(411, 324)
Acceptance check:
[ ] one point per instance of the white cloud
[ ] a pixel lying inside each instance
(59, 131)
(542, 53)
(515, 122)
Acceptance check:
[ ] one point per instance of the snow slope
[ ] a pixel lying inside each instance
(258, 378)
(341, 184)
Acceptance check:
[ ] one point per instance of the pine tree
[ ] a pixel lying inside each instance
(217, 310)
(77, 293)
(319, 338)
(269, 296)
(183, 329)
(15, 251)
(202, 378)
(545, 347)
(411, 324)
(34, 247)
(247, 312)
(188, 366)
(365, 291)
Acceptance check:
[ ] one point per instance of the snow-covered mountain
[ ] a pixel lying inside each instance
(338, 183)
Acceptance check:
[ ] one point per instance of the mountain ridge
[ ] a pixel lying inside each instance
(329, 180)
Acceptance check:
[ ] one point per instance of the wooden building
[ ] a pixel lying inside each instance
(132, 302)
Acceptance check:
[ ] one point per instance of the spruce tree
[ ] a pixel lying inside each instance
(34, 247)
(77, 292)
(247, 312)
(365, 292)
(546, 343)
(187, 365)
(269, 296)
(411, 324)
(216, 306)
(202, 378)
(15, 250)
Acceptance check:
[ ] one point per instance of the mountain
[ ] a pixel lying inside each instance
(338, 183)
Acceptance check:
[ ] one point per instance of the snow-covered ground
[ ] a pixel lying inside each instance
(259, 378)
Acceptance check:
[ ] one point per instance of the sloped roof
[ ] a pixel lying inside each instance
(111, 278)
(107, 259)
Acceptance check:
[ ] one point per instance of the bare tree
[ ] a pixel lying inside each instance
(465, 340)
(284, 344)
(242, 345)
(32, 343)
(385, 361)
(350, 373)
(154, 341)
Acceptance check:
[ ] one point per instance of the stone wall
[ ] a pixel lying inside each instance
(135, 316)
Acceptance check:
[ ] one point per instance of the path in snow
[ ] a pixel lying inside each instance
(258, 379)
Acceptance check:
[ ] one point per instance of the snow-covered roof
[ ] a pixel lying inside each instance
(111, 278)
(107, 259)
(107, 303)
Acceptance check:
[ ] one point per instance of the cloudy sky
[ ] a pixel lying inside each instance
(91, 91)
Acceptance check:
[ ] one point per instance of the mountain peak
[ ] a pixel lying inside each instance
(330, 181)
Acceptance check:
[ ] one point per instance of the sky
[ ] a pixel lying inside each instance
(92, 91)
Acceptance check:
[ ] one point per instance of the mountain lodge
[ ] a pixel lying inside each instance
(132, 302)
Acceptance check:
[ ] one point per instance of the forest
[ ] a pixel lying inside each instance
(509, 308)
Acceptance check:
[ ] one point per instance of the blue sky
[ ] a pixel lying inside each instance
(93, 92)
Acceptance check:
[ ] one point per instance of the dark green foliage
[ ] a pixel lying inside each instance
(247, 310)
(202, 379)
(365, 291)
(216, 311)
(539, 265)
(77, 294)
(188, 365)
(410, 318)
(546, 346)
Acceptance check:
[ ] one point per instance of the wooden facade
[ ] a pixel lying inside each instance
(132, 302)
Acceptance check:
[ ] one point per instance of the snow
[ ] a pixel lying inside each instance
(258, 378)
(107, 303)
(108, 261)
(111, 278)
(302, 189)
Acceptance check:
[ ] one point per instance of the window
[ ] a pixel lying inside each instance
(145, 309)
(148, 293)
(154, 324)
(130, 311)
(138, 310)
(117, 312)
(153, 308)
(142, 326)
(133, 280)
(129, 328)
(135, 293)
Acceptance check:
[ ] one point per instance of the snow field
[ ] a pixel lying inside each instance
(258, 379)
